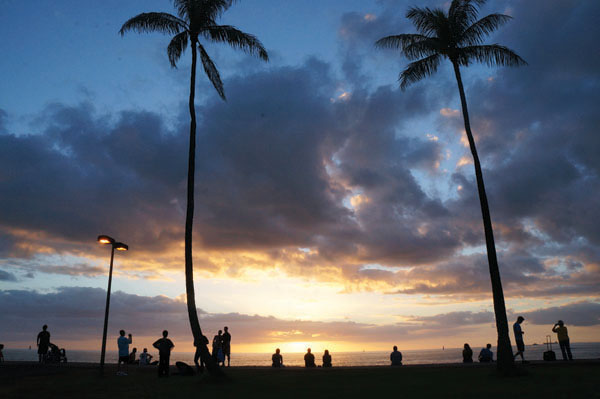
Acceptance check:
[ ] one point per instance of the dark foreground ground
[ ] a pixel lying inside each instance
(580, 379)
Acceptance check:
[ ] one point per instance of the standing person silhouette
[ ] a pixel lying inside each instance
(519, 338)
(164, 346)
(227, 345)
(217, 346)
(563, 339)
(200, 365)
(309, 359)
(43, 341)
(123, 344)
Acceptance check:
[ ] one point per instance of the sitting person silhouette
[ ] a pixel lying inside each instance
(326, 359)
(309, 359)
(486, 355)
(467, 354)
(145, 357)
(277, 358)
(396, 357)
(132, 356)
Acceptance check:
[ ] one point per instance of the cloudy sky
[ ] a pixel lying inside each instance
(333, 209)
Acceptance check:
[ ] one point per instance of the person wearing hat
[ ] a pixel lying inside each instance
(563, 339)
(519, 338)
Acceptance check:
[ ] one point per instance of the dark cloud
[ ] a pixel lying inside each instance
(453, 319)
(3, 117)
(575, 314)
(276, 164)
(6, 276)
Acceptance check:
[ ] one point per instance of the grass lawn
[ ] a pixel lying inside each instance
(556, 380)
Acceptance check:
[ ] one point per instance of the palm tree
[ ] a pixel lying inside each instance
(457, 35)
(195, 20)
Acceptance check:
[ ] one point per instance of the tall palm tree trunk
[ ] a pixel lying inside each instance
(505, 357)
(212, 367)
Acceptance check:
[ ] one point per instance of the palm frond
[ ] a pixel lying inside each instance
(462, 13)
(154, 22)
(424, 20)
(198, 12)
(177, 47)
(413, 46)
(418, 70)
(237, 39)
(423, 48)
(211, 71)
(475, 33)
(492, 54)
(399, 41)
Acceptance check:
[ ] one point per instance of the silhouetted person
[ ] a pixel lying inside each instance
(277, 359)
(519, 338)
(217, 348)
(43, 341)
(486, 355)
(164, 346)
(145, 357)
(396, 357)
(1, 354)
(199, 366)
(326, 359)
(467, 354)
(123, 344)
(563, 339)
(309, 359)
(132, 356)
(227, 345)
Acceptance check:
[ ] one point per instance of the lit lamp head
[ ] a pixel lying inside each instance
(106, 240)
(119, 246)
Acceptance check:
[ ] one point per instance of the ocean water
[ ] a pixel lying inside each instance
(369, 358)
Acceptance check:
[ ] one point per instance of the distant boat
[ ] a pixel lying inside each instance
(535, 344)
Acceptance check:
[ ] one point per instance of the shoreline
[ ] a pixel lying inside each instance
(88, 365)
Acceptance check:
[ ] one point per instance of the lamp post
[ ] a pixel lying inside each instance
(119, 246)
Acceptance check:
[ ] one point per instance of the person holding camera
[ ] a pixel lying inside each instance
(123, 345)
(563, 339)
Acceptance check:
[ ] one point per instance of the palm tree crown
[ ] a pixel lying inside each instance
(195, 20)
(456, 35)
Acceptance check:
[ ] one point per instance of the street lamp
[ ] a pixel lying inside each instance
(119, 246)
